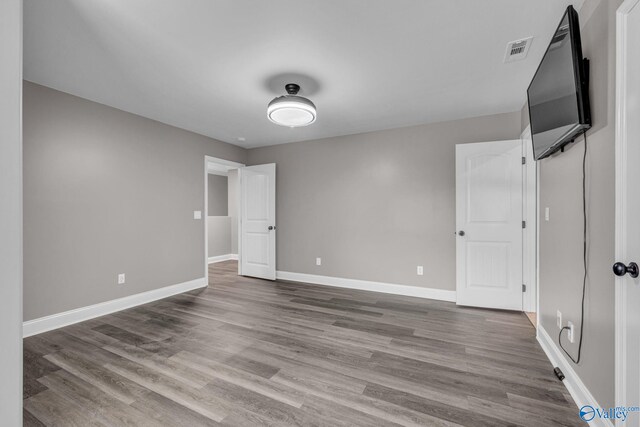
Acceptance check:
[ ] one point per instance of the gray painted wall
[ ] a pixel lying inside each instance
(219, 229)
(374, 206)
(11, 213)
(218, 196)
(108, 192)
(561, 237)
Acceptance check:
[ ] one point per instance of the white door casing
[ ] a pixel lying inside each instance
(627, 234)
(220, 165)
(489, 213)
(257, 249)
(530, 216)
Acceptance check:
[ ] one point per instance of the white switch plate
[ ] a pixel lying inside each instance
(121, 279)
(420, 270)
(197, 214)
(318, 261)
(570, 333)
(546, 213)
(559, 319)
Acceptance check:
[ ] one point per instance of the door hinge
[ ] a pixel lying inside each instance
(524, 288)
(524, 160)
(524, 224)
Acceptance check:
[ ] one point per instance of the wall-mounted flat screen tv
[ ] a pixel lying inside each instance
(558, 95)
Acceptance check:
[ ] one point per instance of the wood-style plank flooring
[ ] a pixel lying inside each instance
(251, 352)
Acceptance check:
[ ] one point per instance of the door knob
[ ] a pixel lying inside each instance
(271, 227)
(619, 269)
(461, 233)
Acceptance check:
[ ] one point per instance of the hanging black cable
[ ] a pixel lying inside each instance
(584, 257)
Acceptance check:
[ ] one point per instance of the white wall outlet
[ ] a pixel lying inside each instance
(420, 270)
(559, 319)
(318, 261)
(121, 279)
(570, 332)
(197, 214)
(546, 213)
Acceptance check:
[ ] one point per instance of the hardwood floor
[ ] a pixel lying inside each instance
(533, 318)
(251, 352)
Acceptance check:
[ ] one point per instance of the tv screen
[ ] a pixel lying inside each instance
(558, 94)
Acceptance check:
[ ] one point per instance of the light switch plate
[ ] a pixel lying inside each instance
(197, 214)
(546, 213)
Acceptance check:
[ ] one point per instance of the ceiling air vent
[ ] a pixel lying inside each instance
(517, 50)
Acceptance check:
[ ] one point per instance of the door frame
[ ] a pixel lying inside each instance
(223, 165)
(530, 238)
(620, 204)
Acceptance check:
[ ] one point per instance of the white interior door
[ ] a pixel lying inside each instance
(628, 210)
(257, 251)
(489, 224)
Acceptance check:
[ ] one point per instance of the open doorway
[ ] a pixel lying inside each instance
(489, 225)
(221, 207)
(240, 219)
(496, 208)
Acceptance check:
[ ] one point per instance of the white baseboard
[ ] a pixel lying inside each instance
(220, 258)
(365, 285)
(55, 321)
(580, 393)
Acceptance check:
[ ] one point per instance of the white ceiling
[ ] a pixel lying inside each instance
(211, 66)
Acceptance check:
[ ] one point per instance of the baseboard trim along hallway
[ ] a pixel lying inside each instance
(55, 321)
(220, 258)
(580, 393)
(365, 285)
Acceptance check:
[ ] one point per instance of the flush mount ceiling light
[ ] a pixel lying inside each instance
(291, 110)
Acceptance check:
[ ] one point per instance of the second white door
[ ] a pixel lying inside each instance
(257, 250)
(489, 224)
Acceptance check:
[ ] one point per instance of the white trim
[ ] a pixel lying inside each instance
(620, 203)
(530, 233)
(224, 164)
(365, 285)
(580, 393)
(220, 258)
(55, 321)
(220, 164)
(216, 166)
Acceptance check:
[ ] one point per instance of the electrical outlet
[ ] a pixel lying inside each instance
(559, 319)
(570, 332)
(121, 279)
(318, 261)
(420, 270)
